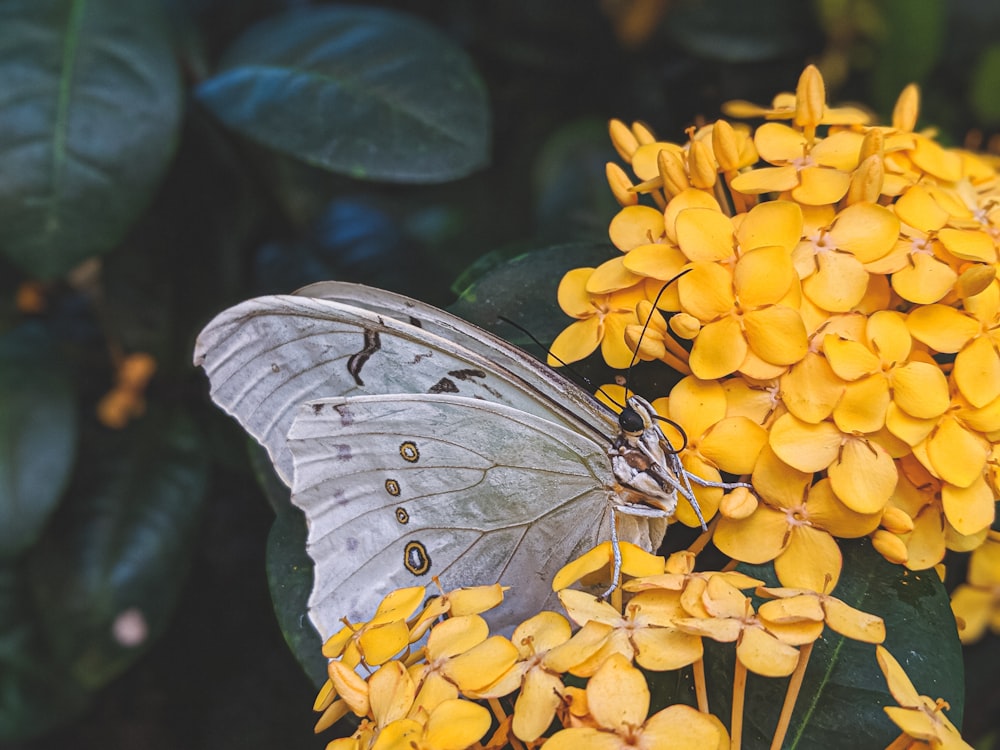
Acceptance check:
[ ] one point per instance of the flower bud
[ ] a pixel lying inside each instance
(890, 546)
(904, 114)
(623, 140)
(620, 184)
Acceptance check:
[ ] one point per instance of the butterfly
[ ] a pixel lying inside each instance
(420, 445)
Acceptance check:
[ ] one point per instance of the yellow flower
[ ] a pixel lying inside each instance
(540, 687)
(460, 653)
(795, 526)
(790, 603)
(973, 336)
(645, 633)
(617, 700)
(862, 474)
(715, 441)
(976, 603)
(881, 371)
(787, 105)
(749, 313)
(917, 715)
(382, 637)
(831, 258)
(600, 321)
(730, 617)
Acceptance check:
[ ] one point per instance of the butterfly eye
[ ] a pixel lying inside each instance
(630, 421)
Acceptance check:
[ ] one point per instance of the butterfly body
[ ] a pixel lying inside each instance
(419, 445)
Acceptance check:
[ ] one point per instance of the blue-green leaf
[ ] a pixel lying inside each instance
(106, 575)
(89, 109)
(37, 435)
(363, 92)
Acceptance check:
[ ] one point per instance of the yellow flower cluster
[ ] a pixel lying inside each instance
(425, 697)
(840, 314)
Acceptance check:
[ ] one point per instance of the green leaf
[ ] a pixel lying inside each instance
(519, 283)
(741, 32)
(37, 435)
(984, 88)
(843, 694)
(364, 92)
(290, 578)
(910, 52)
(89, 109)
(107, 574)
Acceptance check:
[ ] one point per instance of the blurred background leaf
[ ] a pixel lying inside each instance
(363, 92)
(89, 112)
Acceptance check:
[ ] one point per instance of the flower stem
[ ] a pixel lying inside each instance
(791, 696)
(700, 688)
(739, 693)
(900, 743)
(699, 544)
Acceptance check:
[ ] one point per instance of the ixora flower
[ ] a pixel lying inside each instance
(918, 716)
(837, 284)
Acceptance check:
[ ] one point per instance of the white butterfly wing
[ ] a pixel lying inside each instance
(398, 489)
(266, 356)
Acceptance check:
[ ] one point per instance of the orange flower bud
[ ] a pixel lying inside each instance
(675, 180)
(727, 150)
(701, 166)
(904, 114)
(890, 546)
(866, 182)
(810, 100)
(622, 139)
(896, 520)
(620, 184)
(738, 504)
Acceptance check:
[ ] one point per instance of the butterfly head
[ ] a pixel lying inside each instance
(635, 417)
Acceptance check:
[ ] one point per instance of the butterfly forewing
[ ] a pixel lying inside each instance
(266, 356)
(397, 489)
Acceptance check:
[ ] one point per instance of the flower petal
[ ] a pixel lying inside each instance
(634, 226)
(617, 695)
(577, 341)
(958, 455)
(941, 327)
(763, 276)
(921, 389)
(456, 724)
(681, 727)
(977, 372)
(819, 186)
(663, 649)
(757, 539)
(536, 704)
(839, 283)
(863, 405)
(771, 223)
(803, 446)
(776, 334)
(763, 654)
(705, 234)
(853, 623)
(863, 476)
(812, 560)
(969, 509)
(926, 281)
(810, 389)
(719, 349)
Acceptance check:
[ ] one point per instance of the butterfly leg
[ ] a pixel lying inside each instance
(616, 553)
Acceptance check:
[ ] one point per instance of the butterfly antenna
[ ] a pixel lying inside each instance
(565, 364)
(649, 319)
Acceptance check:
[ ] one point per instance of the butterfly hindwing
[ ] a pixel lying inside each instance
(397, 489)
